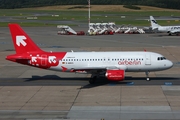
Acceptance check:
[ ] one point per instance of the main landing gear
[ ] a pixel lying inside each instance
(92, 79)
(147, 76)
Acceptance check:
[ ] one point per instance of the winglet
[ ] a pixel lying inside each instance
(22, 42)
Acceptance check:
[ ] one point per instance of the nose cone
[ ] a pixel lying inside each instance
(169, 64)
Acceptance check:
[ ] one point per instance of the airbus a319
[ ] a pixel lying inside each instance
(112, 65)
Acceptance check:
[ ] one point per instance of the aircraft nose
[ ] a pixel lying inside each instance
(169, 64)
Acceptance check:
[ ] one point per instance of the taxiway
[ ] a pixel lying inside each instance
(31, 93)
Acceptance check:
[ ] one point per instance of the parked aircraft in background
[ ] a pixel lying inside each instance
(169, 29)
(112, 65)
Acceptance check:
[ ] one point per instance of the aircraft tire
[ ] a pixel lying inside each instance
(92, 80)
(147, 79)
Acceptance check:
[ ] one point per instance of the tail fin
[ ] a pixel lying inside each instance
(22, 42)
(154, 23)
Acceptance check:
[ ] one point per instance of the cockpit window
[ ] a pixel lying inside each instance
(164, 58)
(161, 58)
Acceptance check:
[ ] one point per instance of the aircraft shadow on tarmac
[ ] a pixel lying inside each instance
(151, 78)
(163, 35)
(83, 81)
(130, 81)
(127, 78)
(55, 77)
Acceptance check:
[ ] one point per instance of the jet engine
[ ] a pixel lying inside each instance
(115, 75)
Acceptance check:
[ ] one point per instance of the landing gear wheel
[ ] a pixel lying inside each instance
(147, 76)
(92, 80)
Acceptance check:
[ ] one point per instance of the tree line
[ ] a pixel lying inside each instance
(12, 4)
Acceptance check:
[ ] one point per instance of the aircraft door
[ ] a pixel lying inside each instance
(147, 59)
(43, 60)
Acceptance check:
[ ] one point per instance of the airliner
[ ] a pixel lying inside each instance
(169, 29)
(111, 65)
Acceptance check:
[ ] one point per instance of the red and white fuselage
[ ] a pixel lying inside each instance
(113, 65)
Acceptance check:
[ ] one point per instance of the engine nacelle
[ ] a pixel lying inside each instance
(115, 75)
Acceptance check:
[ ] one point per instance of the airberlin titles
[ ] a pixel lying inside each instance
(132, 62)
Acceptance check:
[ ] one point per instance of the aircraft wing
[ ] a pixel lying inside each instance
(97, 69)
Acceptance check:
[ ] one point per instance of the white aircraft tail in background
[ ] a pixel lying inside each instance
(154, 23)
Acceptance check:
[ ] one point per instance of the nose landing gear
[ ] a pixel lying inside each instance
(147, 76)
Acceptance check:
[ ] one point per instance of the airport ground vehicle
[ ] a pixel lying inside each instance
(112, 28)
(66, 30)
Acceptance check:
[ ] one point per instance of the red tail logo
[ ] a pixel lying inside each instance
(22, 42)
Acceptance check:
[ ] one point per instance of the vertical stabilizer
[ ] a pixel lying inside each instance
(154, 23)
(22, 42)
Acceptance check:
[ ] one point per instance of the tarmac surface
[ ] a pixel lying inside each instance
(32, 93)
